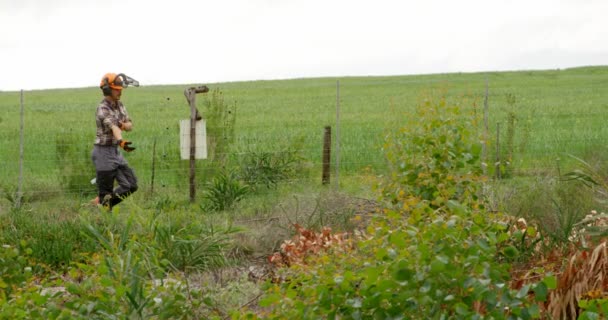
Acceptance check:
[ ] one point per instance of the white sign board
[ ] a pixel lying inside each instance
(201, 139)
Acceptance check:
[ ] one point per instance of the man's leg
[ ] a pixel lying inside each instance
(106, 169)
(105, 184)
(127, 184)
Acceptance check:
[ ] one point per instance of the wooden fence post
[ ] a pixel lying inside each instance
(498, 176)
(484, 146)
(190, 94)
(337, 178)
(19, 194)
(153, 167)
(326, 155)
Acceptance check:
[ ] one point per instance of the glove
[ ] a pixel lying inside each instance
(126, 145)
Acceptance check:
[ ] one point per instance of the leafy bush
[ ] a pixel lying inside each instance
(435, 157)
(15, 268)
(431, 256)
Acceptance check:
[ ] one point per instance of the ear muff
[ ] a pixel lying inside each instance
(105, 86)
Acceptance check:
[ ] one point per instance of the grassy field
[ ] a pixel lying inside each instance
(536, 119)
(552, 113)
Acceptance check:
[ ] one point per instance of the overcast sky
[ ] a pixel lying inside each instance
(72, 43)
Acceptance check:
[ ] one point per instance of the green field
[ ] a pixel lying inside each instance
(427, 206)
(555, 112)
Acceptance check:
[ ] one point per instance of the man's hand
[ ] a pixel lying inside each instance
(126, 145)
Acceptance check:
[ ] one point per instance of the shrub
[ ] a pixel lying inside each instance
(431, 256)
(434, 157)
(15, 268)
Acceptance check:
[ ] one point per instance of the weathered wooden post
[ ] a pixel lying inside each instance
(337, 178)
(498, 176)
(190, 94)
(326, 155)
(153, 167)
(484, 146)
(19, 195)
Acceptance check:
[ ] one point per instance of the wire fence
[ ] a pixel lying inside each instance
(45, 155)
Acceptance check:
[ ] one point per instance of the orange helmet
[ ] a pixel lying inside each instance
(111, 80)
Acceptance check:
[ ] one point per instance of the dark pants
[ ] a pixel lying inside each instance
(111, 166)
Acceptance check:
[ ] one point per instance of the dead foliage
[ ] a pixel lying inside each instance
(585, 276)
(309, 242)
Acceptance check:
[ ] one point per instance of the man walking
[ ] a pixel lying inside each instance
(110, 165)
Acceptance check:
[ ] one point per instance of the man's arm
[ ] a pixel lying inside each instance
(126, 126)
(116, 132)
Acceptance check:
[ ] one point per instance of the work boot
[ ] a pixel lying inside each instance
(106, 203)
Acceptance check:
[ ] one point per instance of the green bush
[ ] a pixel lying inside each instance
(114, 284)
(431, 256)
(15, 268)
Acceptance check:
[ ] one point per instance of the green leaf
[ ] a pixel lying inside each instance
(462, 309)
(550, 282)
(523, 292)
(269, 300)
(456, 207)
(372, 274)
(437, 266)
(404, 274)
(534, 311)
(588, 315)
(503, 237)
(107, 282)
(398, 239)
(510, 252)
(540, 292)
(381, 254)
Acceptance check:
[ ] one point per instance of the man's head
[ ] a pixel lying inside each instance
(111, 85)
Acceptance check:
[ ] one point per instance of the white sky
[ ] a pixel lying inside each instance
(72, 43)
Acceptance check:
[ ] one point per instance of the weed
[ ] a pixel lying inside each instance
(221, 119)
(224, 191)
(75, 167)
(52, 240)
(188, 249)
(267, 169)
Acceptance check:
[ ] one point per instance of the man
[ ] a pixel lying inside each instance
(112, 119)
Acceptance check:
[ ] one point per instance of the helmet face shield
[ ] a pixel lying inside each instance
(117, 82)
(124, 81)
